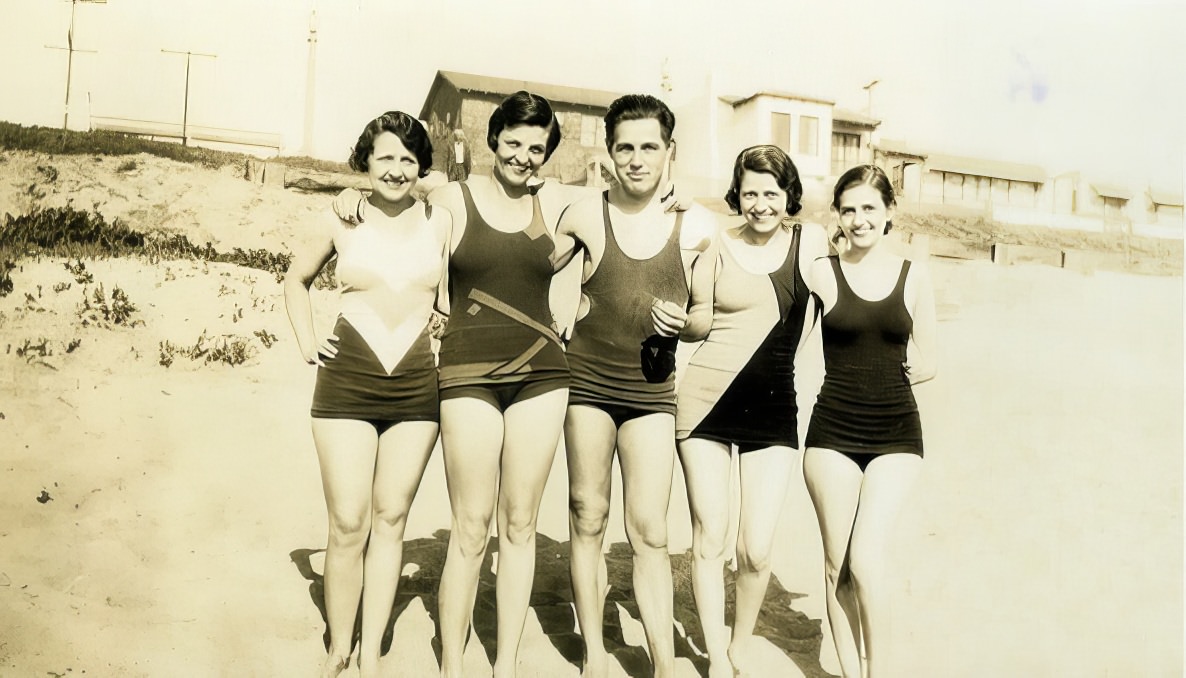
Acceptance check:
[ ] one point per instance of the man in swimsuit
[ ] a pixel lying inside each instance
(635, 277)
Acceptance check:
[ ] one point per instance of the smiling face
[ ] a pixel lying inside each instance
(392, 169)
(640, 155)
(519, 152)
(863, 215)
(763, 203)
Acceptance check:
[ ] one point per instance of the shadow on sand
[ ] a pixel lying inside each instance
(789, 630)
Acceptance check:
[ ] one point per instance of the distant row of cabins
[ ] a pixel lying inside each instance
(822, 139)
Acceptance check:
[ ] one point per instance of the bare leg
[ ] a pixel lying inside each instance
(834, 484)
(589, 439)
(888, 480)
(764, 477)
(706, 466)
(532, 431)
(404, 450)
(646, 450)
(346, 451)
(471, 439)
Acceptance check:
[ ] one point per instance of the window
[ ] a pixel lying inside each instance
(780, 130)
(846, 150)
(808, 135)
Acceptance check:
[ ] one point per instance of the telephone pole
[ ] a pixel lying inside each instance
(70, 50)
(185, 109)
(310, 85)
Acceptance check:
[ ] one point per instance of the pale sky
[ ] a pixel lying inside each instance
(1095, 85)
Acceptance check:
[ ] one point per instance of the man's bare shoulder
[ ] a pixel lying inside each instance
(582, 214)
(700, 228)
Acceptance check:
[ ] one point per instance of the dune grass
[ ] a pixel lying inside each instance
(99, 142)
(71, 233)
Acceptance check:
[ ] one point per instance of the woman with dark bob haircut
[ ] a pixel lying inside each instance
(739, 392)
(503, 372)
(376, 406)
(864, 442)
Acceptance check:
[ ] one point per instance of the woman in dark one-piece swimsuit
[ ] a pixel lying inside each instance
(864, 442)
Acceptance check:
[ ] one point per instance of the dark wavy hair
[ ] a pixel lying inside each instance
(638, 107)
(410, 133)
(866, 175)
(770, 160)
(524, 108)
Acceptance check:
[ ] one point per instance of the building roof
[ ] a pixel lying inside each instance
(736, 101)
(853, 118)
(1112, 191)
(898, 148)
(980, 167)
(485, 84)
(1162, 197)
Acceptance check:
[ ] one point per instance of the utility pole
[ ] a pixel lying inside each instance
(185, 110)
(869, 102)
(310, 84)
(70, 50)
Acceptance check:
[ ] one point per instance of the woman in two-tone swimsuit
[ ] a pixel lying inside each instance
(375, 404)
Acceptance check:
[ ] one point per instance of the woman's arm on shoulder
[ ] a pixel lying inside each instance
(449, 197)
(350, 205)
(567, 194)
(922, 364)
(813, 245)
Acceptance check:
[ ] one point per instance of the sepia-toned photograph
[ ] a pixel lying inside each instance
(625, 339)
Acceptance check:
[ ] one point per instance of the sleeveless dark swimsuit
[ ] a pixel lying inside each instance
(866, 406)
(618, 362)
(739, 387)
(500, 329)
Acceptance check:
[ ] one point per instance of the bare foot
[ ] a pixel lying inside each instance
(334, 664)
(596, 665)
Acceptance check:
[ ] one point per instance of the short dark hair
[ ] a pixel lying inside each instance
(638, 107)
(866, 175)
(524, 108)
(410, 133)
(770, 160)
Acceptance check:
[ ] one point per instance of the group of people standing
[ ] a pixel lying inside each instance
(643, 271)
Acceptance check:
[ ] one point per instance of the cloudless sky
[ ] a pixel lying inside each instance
(1095, 85)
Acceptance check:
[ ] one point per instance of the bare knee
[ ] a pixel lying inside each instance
(647, 532)
(470, 535)
(518, 526)
(708, 541)
(389, 519)
(834, 573)
(588, 515)
(753, 559)
(349, 531)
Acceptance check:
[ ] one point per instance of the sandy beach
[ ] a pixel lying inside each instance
(169, 521)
